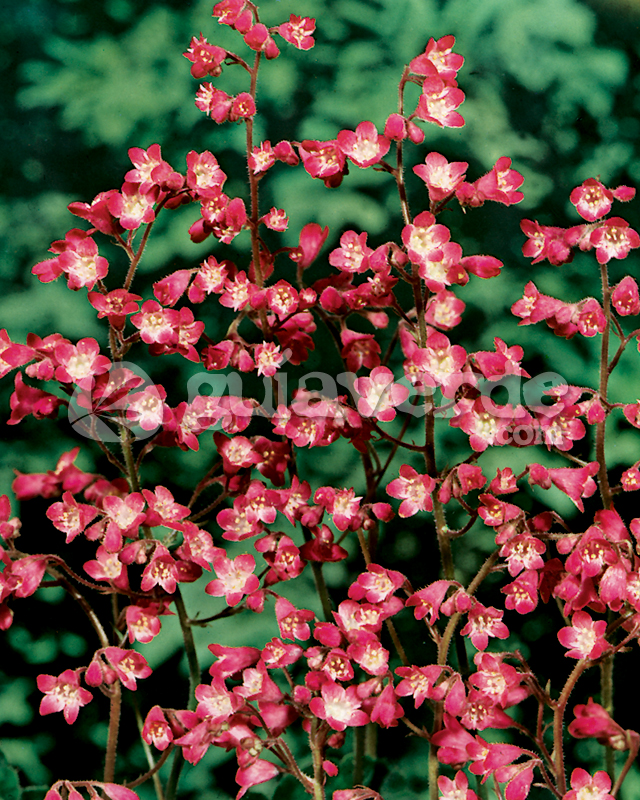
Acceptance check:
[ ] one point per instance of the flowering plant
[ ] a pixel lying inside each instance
(259, 519)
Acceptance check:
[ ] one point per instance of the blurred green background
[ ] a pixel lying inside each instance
(553, 84)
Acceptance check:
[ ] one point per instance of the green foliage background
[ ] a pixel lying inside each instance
(550, 83)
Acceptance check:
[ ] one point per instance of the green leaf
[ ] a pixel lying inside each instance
(9, 784)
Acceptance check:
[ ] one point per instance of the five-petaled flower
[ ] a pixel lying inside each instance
(63, 693)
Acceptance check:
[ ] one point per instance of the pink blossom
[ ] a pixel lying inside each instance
(594, 787)
(441, 176)
(483, 623)
(142, 622)
(457, 789)
(235, 578)
(298, 31)
(592, 200)
(584, 637)
(63, 693)
(379, 394)
(324, 160)
(71, 517)
(128, 665)
(293, 622)
(80, 363)
(206, 59)
(156, 729)
(259, 771)
(438, 59)
(414, 490)
(132, 206)
(365, 147)
(438, 102)
(625, 297)
(593, 720)
(377, 584)
(27, 400)
(340, 707)
(614, 239)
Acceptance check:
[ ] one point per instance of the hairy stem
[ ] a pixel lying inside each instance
(115, 706)
(558, 724)
(603, 475)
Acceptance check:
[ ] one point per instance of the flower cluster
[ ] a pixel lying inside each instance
(255, 521)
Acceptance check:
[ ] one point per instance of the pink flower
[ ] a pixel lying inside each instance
(216, 701)
(438, 59)
(353, 253)
(27, 400)
(501, 183)
(259, 771)
(268, 358)
(376, 585)
(522, 594)
(457, 789)
(293, 622)
(235, 578)
(365, 147)
(625, 297)
(592, 200)
(614, 239)
(206, 59)
(80, 363)
(324, 160)
(142, 622)
(483, 623)
(340, 707)
(414, 490)
(441, 176)
(71, 517)
(132, 206)
(584, 637)
(379, 394)
(312, 237)
(63, 693)
(298, 31)
(584, 786)
(342, 504)
(593, 720)
(157, 730)
(160, 571)
(128, 665)
(438, 102)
